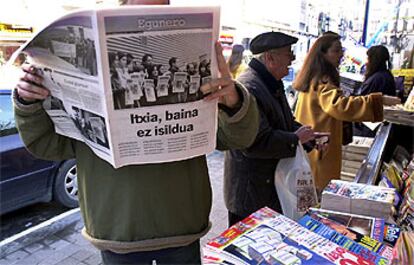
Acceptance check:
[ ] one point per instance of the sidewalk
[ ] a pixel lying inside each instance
(59, 241)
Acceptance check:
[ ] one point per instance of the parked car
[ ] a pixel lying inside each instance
(24, 179)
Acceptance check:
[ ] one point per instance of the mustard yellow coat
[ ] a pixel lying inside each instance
(239, 70)
(324, 108)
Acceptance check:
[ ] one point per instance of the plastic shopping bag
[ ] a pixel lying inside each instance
(294, 184)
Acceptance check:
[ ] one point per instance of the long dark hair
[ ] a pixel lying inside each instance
(378, 59)
(316, 67)
(236, 57)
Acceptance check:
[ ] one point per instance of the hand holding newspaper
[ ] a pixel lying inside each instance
(101, 90)
(224, 86)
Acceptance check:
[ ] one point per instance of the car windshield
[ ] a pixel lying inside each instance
(7, 124)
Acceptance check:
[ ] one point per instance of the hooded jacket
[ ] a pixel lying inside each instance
(138, 207)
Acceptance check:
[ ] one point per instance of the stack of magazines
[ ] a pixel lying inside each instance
(409, 103)
(267, 237)
(358, 226)
(404, 250)
(358, 198)
(405, 216)
(369, 248)
(353, 155)
(399, 114)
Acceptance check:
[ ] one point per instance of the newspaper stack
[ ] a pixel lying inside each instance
(398, 114)
(266, 237)
(353, 155)
(358, 198)
(409, 103)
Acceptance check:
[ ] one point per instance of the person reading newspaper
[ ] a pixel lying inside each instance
(141, 214)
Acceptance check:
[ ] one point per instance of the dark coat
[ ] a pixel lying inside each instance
(381, 81)
(249, 173)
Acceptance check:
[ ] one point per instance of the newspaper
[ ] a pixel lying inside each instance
(119, 80)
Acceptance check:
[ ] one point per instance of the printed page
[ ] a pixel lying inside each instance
(155, 59)
(66, 53)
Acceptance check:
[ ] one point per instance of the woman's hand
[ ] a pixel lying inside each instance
(30, 87)
(390, 101)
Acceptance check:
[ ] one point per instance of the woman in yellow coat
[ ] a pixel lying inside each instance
(236, 61)
(322, 105)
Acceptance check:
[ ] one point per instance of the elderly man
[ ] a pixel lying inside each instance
(249, 173)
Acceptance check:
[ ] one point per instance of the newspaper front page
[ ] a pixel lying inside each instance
(126, 81)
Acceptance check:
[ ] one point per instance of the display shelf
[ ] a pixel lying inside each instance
(372, 163)
(388, 136)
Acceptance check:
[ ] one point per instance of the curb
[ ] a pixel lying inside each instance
(38, 232)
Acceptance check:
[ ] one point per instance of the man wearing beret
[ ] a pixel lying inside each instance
(249, 173)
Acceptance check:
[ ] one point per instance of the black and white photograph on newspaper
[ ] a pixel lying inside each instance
(194, 84)
(126, 80)
(149, 89)
(53, 103)
(155, 60)
(91, 126)
(162, 86)
(68, 45)
(155, 50)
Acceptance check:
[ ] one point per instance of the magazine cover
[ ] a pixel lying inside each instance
(369, 249)
(391, 234)
(266, 237)
(126, 68)
(365, 225)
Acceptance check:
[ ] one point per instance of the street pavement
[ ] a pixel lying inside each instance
(59, 240)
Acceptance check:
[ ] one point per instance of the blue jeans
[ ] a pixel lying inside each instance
(179, 255)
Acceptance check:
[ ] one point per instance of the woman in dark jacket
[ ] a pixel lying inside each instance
(378, 77)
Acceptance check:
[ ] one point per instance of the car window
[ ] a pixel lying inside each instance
(7, 124)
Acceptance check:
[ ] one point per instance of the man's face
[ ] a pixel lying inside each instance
(279, 61)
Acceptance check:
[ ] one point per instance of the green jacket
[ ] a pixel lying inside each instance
(139, 207)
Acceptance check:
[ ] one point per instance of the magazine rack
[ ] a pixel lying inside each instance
(387, 138)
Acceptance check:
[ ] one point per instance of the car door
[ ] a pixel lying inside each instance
(24, 179)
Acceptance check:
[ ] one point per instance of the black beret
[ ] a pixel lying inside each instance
(270, 40)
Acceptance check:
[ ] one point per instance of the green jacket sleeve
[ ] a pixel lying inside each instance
(38, 134)
(239, 130)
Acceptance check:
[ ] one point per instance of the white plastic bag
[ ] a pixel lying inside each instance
(294, 184)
